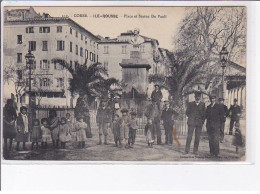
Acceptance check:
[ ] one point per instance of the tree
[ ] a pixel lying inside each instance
(15, 74)
(201, 35)
(89, 80)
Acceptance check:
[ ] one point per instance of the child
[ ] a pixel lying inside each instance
(46, 133)
(238, 140)
(64, 132)
(36, 133)
(22, 124)
(149, 133)
(133, 126)
(116, 131)
(80, 127)
(124, 129)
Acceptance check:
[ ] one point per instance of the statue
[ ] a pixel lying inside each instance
(136, 40)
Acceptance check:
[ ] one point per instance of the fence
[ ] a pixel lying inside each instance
(180, 125)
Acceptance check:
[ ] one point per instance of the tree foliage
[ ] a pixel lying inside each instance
(88, 80)
(201, 35)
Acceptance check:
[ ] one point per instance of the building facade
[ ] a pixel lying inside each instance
(47, 38)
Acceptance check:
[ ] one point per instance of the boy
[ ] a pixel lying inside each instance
(149, 133)
(124, 129)
(116, 131)
(133, 126)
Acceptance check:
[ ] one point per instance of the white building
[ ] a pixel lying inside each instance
(48, 38)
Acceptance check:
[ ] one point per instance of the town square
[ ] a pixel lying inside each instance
(168, 87)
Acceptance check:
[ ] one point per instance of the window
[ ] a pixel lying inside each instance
(19, 39)
(70, 64)
(106, 49)
(45, 82)
(142, 48)
(81, 37)
(86, 40)
(86, 54)
(60, 82)
(124, 49)
(76, 65)
(59, 29)
(19, 58)
(71, 47)
(94, 57)
(44, 45)
(60, 45)
(76, 34)
(97, 58)
(29, 30)
(70, 30)
(45, 64)
(91, 56)
(81, 52)
(44, 30)
(58, 66)
(32, 45)
(106, 65)
(77, 52)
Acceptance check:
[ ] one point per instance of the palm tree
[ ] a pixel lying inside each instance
(90, 81)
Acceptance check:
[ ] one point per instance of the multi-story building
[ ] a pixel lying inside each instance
(113, 51)
(47, 38)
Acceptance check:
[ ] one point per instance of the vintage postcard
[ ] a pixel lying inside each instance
(146, 84)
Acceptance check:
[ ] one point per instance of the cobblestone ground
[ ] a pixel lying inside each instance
(140, 152)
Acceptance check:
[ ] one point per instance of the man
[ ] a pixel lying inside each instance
(196, 117)
(214, 116)
(168, 121)
(234, 112)
(103, 119)
(153, 112)
(223, 118)
(156, 96)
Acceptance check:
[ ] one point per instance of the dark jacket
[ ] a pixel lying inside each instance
(234, 112)
(167, 116)
(156, 96)
(103, 115)
(214, 116)
(224, 111)
(196, 114)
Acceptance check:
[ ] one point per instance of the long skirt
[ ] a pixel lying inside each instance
(55, 134)
(81, 135)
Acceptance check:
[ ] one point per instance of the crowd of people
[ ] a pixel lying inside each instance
(59, 131)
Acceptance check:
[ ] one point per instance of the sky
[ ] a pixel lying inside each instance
(163, 29)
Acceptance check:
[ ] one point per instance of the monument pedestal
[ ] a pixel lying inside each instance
(135, 79)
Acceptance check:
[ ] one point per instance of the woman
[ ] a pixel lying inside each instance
(9, 117)
(22, 126)
(54, 127)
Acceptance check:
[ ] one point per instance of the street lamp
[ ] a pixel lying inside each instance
(29, 57)
(223, 59)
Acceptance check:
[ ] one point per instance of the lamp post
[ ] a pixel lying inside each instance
(223, 59)
(29, 57)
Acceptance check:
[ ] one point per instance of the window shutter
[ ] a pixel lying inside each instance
(48, 64)
(41, 64)
(26, 30)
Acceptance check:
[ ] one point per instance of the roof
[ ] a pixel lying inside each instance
(130, 33)
(52, 20)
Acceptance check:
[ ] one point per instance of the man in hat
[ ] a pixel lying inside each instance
(152, 112)
(124, 129)
(214, 116)
(167, 119)
(103, 119)
(156, 96)
(196, 117)
(223, 120)
(234, 112)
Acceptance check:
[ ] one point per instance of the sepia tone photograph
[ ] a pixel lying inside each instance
(144, 84)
